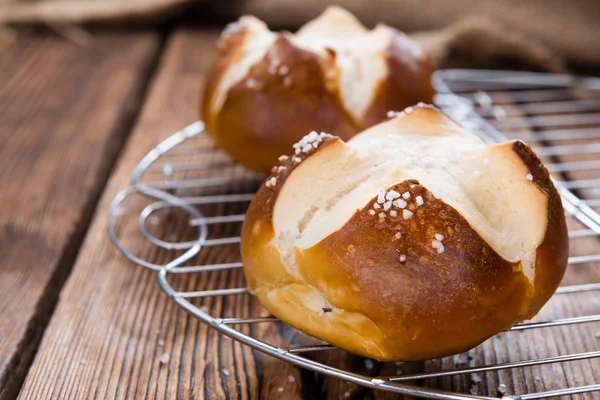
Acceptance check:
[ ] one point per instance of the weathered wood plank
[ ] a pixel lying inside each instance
(113, 323)
(64, 112)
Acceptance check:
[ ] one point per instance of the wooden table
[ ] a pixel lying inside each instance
(77, 320)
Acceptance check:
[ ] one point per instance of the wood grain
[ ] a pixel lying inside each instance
(63, 111)
(113, 323)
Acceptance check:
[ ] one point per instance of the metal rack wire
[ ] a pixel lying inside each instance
(559, 115)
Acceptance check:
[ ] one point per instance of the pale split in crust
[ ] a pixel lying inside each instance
(418, 239)
(268, 89)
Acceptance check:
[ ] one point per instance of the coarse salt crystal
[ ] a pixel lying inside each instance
(381, 215)
(297, 159)
(161, 342)
(402, 257)
(436, 244)
(287, 81)
(347, 394)
(439, 237)
(271, 182)
(368, 364)
(381, 197)
(406, 195)
(225, 372)
(399, 203)
(529, 177)
(407, 214)
(164, 358)
(475, 378)
(419, 200)
(376, 206)
(307, 148)
(391, 195)
(371, 212)
(283, 158)
(486, 161)
(280, 389)
(251, 83)
(387, 205)
(393, 213)
(284, 69)
(398, 235)
(291, 378)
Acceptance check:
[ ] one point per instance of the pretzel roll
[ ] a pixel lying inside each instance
(266, 90)
(413, 240)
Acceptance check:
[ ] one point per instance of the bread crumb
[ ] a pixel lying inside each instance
(164, 358)
(399, 372)
(529, 177)
(502, 389)
(347, 394)
(225, 372)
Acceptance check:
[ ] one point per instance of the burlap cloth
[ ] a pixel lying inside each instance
(545, 35)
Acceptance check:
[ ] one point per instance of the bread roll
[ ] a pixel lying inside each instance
(413, 240)
(267, 90)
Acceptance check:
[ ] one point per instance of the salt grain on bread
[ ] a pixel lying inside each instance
(267, 89)
(466, 265)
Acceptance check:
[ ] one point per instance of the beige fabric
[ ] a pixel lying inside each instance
(533, 34)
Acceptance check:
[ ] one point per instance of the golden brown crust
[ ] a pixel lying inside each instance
(552, 254)
(258, 122)
(430, 304)
(406, 71)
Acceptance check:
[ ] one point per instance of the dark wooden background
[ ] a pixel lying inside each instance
(76, 319)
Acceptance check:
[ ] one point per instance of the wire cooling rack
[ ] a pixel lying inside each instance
(194, 203)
